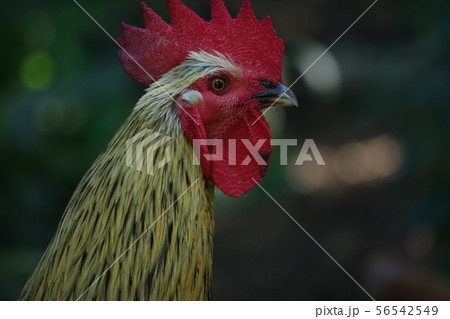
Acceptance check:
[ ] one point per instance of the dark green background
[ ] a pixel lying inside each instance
(63, 94)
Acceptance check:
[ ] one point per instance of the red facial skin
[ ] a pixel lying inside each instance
(229, 115)
(218, 109)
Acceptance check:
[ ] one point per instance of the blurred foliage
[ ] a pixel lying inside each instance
(63, 94)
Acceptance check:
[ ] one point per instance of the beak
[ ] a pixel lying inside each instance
(277, 96)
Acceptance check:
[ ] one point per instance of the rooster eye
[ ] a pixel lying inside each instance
(218, 84)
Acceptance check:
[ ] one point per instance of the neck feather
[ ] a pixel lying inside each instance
(155, 230)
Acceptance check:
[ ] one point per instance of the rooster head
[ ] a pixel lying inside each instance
(221, 75)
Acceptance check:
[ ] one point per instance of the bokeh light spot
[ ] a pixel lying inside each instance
(37, 71)
(325, 75)
(351, 164)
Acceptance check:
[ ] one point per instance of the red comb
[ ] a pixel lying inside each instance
(160, 46)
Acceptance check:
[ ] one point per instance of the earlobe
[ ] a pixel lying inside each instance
(192, 97)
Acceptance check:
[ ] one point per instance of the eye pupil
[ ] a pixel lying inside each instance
(218, 85)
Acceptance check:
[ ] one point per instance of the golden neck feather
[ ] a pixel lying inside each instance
(114, 205)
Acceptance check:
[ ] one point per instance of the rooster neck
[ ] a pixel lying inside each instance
(154, 229)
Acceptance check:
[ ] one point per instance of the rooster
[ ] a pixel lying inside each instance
(128, 235)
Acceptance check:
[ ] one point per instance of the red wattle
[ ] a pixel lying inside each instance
(237, 180)
(230, 174)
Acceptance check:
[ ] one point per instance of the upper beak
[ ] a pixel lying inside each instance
(277, 96)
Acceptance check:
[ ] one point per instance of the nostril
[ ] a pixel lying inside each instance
(267, 84)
